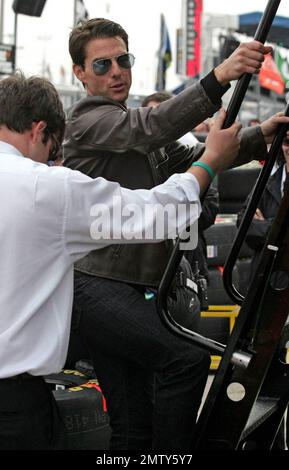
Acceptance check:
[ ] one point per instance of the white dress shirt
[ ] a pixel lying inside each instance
(188, 139)
(45, 216)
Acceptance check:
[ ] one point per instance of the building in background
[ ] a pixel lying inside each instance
(188, 43)
(204, 40)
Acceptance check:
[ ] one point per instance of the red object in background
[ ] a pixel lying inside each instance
(193, 39)
(94, 384)
(270, 77)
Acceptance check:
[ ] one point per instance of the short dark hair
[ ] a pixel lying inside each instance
(159, 97)
(27, 100)
(95, 28)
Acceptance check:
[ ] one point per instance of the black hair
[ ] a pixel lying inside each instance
(95, 28)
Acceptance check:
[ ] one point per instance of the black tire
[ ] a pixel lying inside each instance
(65, 379)
(216, 291)
(244, 273)
(245, 251)
(217, 329)
(85, 366)
(86, 421)
(219, 238)
(234, 186)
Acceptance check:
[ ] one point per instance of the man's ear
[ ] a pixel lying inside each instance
(79, 72)
(37, 128)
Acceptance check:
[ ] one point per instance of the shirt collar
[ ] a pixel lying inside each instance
(10, 149)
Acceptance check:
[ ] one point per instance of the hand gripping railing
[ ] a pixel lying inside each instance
(233, 109)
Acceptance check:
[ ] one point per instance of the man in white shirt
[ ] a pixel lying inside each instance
(46, 225)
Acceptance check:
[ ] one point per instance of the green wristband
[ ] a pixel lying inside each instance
(206, 167)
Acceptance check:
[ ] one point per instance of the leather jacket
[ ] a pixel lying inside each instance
(137, 148)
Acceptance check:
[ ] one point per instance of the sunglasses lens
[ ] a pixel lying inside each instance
(100, 67)
(126, 61)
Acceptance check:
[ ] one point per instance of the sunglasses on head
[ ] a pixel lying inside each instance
(102, 66)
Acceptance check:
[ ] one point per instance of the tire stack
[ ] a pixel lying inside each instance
(234, 186)
(82, 408)
(219, 237)
(244, 268)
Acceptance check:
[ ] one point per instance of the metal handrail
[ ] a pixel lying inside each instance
(259, 187)
(176, 256)
(243, 83)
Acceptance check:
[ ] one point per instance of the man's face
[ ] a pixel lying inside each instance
(116, 82)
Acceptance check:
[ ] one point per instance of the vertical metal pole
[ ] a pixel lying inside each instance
(243, 83)
(74, 12)
(15, 40)
(259, 101)
(74, 24)
(2, 21)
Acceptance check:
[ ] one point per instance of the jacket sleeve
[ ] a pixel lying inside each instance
(182, 156)
(253, 146)
(102, 124)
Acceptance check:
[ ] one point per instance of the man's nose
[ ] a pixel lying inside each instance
(115, 68)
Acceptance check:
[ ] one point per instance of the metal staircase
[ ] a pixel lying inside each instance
(250, 392)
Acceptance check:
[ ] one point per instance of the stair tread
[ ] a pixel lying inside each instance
(262, 409)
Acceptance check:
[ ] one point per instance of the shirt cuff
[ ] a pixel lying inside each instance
(189, 177)
(213, 88)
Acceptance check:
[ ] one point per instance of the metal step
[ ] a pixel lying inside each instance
(262, 409)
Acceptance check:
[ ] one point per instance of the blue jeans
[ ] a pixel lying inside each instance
(153, 381)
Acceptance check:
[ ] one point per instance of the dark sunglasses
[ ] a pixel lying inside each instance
(102, 66)
(286, 142)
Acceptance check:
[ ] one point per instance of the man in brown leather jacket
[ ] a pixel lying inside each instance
(137, 148)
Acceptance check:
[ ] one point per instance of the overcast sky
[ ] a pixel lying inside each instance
(44, 40)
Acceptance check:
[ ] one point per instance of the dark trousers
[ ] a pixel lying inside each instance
(28, 415)
(153, 381)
